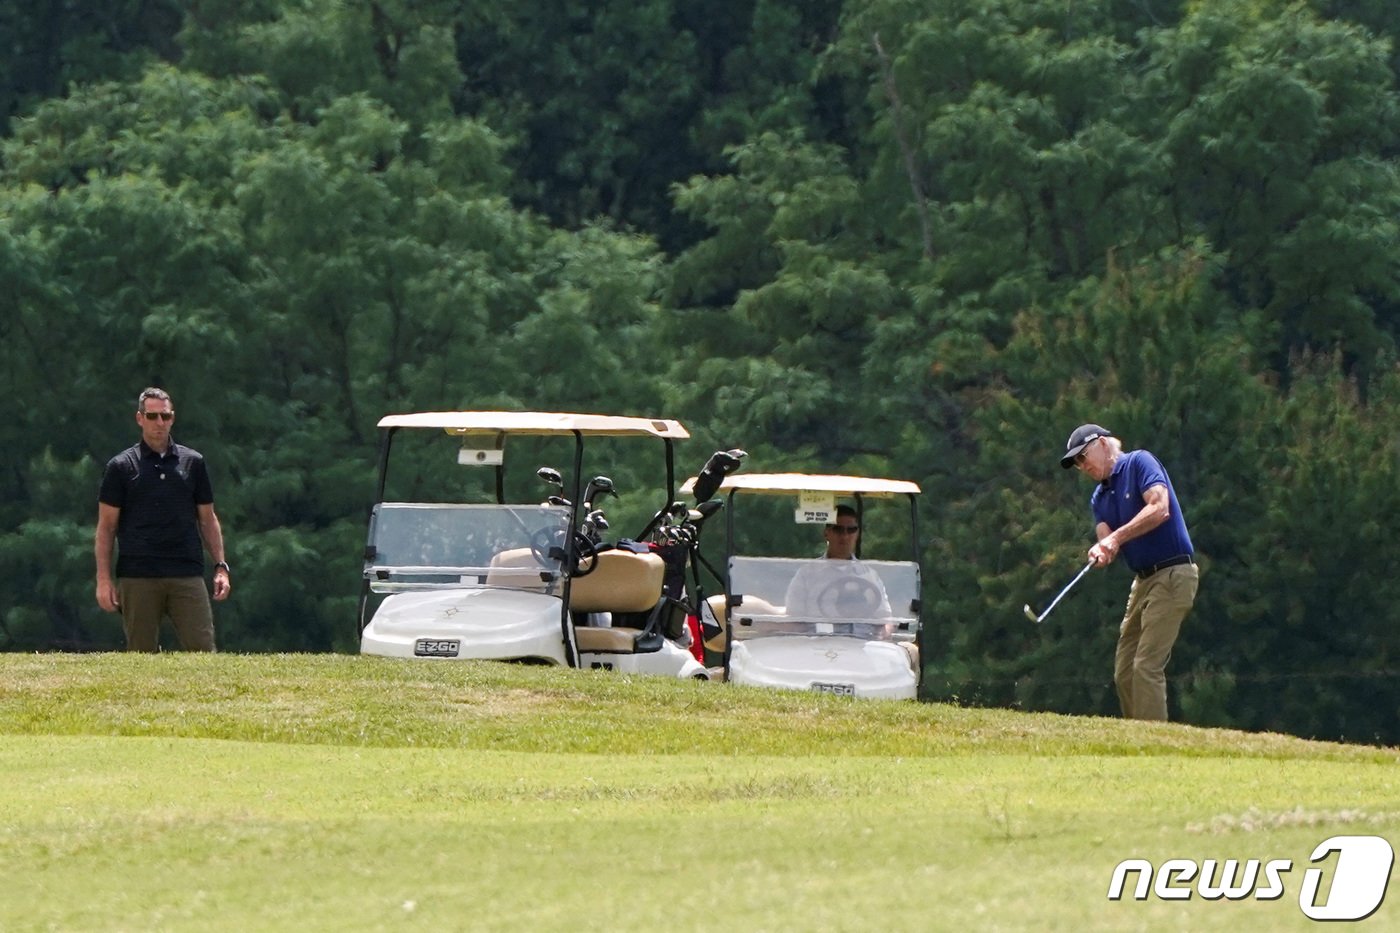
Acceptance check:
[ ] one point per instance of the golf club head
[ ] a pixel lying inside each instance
(597, 486)
(1030, 614)
(550, 476)
(720, 465)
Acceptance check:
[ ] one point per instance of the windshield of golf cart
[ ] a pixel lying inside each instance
(417, 545)
(783, 580)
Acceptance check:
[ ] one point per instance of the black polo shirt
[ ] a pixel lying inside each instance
(158, 530)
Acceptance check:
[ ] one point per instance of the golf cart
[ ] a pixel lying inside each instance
(808, 623)
(532, 582)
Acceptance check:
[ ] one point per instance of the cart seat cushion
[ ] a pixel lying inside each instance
(913, 651)
(716, 641)
(621, 581)
(516, 568)
(606, 640)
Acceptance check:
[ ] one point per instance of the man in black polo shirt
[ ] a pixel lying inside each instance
(156, 505)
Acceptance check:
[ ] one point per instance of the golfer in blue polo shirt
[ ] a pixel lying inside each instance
(1136, 514)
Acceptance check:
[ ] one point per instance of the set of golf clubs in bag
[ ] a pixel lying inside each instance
(673, 534)
(675, 524)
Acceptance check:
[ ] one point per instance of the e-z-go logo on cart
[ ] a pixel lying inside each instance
(1358, 879)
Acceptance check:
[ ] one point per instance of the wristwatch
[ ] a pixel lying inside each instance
(223, 564)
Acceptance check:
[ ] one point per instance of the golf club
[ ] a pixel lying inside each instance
(551, 476)
(597, 486)
(720, 465)
(1037, 619)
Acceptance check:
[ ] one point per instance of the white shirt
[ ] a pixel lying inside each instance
(837, 589)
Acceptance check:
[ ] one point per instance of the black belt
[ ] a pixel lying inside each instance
(1164, 564)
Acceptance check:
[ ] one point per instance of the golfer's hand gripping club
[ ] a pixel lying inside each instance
(1037, 619)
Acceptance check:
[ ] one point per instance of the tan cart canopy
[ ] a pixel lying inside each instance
(813, 482)
(536, 422)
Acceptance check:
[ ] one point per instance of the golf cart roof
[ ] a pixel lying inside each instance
(813, 482)
(535, 422)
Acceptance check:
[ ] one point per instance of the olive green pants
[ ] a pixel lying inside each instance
(146, 601)
(1157, 606)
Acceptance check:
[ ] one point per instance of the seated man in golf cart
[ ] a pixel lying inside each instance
(838, 585)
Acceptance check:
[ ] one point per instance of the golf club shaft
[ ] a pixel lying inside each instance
(1056, 601)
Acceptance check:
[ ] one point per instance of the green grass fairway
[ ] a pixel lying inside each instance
(284, 792)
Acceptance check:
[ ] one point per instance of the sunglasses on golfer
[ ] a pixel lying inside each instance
(843, 529)
(161, 415)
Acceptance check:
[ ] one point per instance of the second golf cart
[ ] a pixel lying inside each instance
(833, 621)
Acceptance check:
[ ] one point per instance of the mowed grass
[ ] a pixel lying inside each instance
(293, 792)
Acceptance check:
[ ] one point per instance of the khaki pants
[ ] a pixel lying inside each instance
(145, 601)
(1156, 608)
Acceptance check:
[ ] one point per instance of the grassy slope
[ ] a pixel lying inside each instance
(329, 792)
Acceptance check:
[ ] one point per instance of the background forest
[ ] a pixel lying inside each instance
(922, 240)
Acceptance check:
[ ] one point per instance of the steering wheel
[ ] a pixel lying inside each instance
(544, 543)
(850, 598)
(585, 556)
(547, 545)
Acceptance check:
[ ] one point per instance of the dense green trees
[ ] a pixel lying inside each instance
(922, 240)
(289, 279)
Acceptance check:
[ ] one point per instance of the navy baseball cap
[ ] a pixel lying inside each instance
(1083, 436)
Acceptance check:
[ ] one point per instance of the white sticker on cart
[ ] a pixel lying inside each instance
(815, 508)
